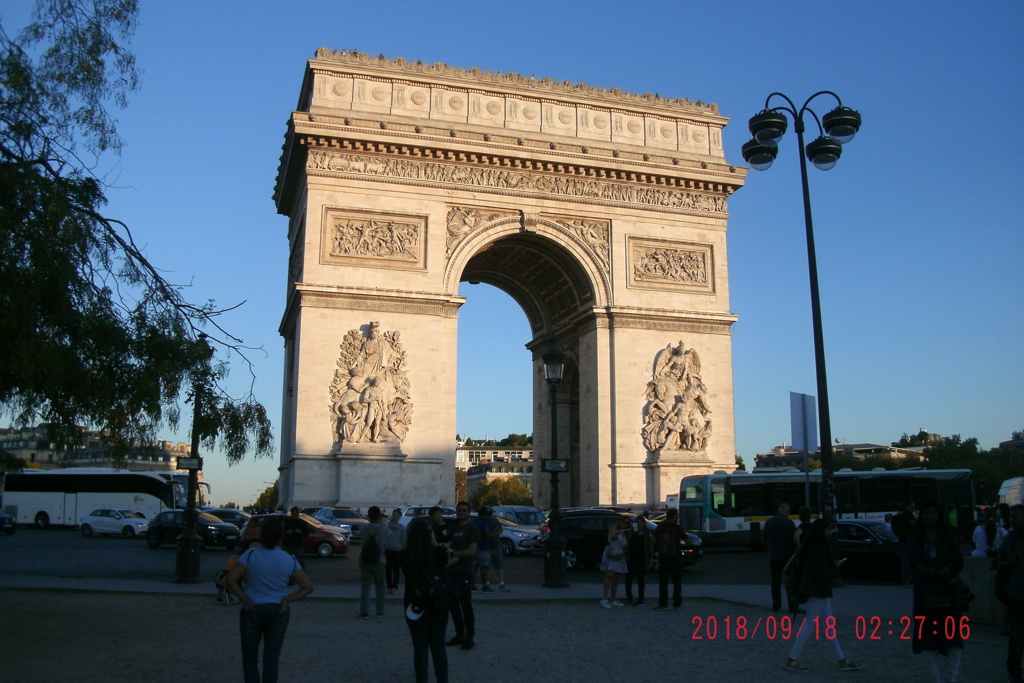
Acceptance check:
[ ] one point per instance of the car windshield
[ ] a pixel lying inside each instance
(131, 515)
(207, 517)
(343, 513)
(529, 516)
(883, 531)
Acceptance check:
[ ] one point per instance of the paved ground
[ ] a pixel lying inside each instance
(91, 630)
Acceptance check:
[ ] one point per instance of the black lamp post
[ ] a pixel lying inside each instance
(835, 129)
(554, 546)
(189, 543)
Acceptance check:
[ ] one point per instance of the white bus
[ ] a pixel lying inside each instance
(732, 508)
(1012, 491)
(62, 497)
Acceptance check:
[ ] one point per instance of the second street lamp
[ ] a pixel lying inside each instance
(554, 546)
(835, 129)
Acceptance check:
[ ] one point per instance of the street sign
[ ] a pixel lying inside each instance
(553, 465)
(190, 463)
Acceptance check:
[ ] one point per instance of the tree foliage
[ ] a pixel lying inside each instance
(92, 333)
(502, 491)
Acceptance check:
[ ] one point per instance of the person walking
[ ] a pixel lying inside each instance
(295, 532)
(426, 623)
(936, 561)
(392, 547)
(265, 600)
(903, 523)
(641, 550)
(613, 562)
(780, 536)
(372, 562)
(1011, 556)
(464, 537)
(803, 527)
(817, 572)
(668, 539)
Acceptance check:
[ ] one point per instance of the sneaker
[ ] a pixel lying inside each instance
(503, 588)
(661, 608)
(676, 608)
(639, 603)
(616, 603)
(795, 666)
(606, 604)
(456, 641)
(487, 588)
(468, 645)
(364, 615)
(849, 665)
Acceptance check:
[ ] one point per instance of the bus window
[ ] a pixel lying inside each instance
(693, 491)
(790, 493)
(718, 502)
(748, 499)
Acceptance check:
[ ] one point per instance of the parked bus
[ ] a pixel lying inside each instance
(732, 508)
(62, 497)
(1011, 491)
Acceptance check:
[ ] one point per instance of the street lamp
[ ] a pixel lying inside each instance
(835, 129)
(189, 543)
(554, 545)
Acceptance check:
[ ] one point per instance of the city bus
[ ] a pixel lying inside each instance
(1011, 491)
(732, 508)
(62, 497)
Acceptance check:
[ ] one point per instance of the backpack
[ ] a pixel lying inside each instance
(434, 589)
(668, 542)
(371, 551)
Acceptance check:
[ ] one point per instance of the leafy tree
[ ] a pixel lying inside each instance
(739, 463)
(469, 443)
(460, 485)
(516, 441)
(269, 498)
(922, 438)
(502, 491)
(92, 333)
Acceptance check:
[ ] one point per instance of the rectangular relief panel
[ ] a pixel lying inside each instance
(377, 239)
(671, 265)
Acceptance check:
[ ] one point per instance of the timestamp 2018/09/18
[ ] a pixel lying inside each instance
(864, 627)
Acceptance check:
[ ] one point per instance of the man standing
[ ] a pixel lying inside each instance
(396, 539)
(1011, 554)
(490, 529)
(902, 525)
(465, 537)
(372, 562)
(668, 538)
(295, 530)
(779, 532)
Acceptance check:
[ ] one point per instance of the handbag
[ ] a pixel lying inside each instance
(791, 575)
(614, 551)
(960, 595)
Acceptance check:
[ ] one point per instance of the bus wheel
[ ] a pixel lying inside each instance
(43, 520)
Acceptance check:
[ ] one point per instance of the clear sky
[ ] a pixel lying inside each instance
(919, 228)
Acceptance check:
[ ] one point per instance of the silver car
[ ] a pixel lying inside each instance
(106, 521)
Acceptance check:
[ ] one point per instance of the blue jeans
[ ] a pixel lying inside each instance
(371, 574)
(268, 623)
(428, 639)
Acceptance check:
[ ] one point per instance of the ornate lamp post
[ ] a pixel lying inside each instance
(554, 546)
(189, 543)
(835, 129)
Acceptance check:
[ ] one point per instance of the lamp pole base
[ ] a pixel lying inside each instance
(555, 574)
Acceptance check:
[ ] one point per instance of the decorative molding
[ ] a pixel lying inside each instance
(596, 234)
(374, 300)
(672, 265)
(373, 238)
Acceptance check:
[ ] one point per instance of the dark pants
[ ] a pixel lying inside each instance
(462, 608)
(393, 570)
(297, 554)
(1016, 648)
(670, 566)
(777, 566)
(637, 568)
(265, 622)
(428, 641)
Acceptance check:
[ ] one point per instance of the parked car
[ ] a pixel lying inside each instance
(346, 519)
(167, 526)
(869, 547)
(411, 512)
(585, 531)
(523, 515)
(322, 540)
(229, 515)
(7, 523)
(106, 521)
(516, 538)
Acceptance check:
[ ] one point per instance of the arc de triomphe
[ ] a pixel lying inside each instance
(603, 214)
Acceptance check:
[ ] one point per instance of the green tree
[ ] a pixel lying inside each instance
(739, 463)
(269, 498)
(92, 333)
(516, 441)
(460, 485)
(502, 491)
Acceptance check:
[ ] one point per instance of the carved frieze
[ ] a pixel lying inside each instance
(370, 402)
(548, 182)
(353, 237)
(463, 220)
(677, 415)
(594, 233)
(671, 264)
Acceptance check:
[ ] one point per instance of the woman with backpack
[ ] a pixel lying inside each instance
(427, 622)
(372, 562)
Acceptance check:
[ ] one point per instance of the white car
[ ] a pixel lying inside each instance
(411, 512)
(108, 521)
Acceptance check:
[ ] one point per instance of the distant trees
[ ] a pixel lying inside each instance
(460, 485)
(512, 441)
(269, 498)
(502, 491)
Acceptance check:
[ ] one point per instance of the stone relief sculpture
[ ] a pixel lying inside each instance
(375, 238)
(593, 233)
(676, 415)
(370, 393)
(464, 220)
(671, 265)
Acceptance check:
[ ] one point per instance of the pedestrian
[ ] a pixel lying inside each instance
(641, 551)
(497, 552)
(988, 536)
(817, 572)
(295, 532)
(779, 535)
(903, 523)
(465, 537)
(803, 527)
(392, 547)
(426, 623)
(1010, 555)
(490, 529)
(669, 538)
(439, 524)
(265, 600)
(613, 562)
(936, 561)
(372, 562)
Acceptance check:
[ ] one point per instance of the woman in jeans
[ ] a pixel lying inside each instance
(427, 624)
(265, 599)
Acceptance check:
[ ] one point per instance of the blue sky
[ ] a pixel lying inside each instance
(919, 228)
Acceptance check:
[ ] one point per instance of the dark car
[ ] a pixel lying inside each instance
(7, 523)
(229, 515)
(868, 547)
(322, 540)
(585, 531)
(340, 517)
(169, 524)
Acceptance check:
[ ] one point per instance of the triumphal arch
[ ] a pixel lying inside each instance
(602, 213)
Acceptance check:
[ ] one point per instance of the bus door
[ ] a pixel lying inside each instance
(70, 510)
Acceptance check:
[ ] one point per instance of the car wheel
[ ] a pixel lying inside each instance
(10, 532)
(571, 560)
(86, 530)
(507, 547)
(324, 549)
(42, 520)
(153, 540)
(128, 532)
